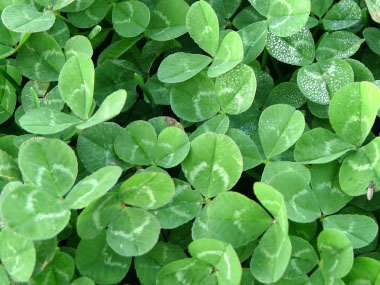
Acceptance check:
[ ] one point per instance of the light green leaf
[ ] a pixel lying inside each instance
(82, 281)
(297, 49)
(172, 147)
(3, 276)
(325, 183)
(218, 124)
(320, 7)
(232, 217)
(344, 14)
(261, 6)
(359, 168)
(320, 146)
(96, 216)
(361, 72)
(110, 108)
(271, 257)
(46, 121)
(181, 66)
(148, 190)
(289, 179)
(319, 81)
(286, 18)
(78, 5)
(236, 89)
(59, 4)
(76, 45)
(95, 147)
(33, 213)
(136, 143)
(40, 58)
(373, 8)
(185, 205)
(230, 54)
(133, 232)
(336, 253)
(95, 259)
(208, 168)
(274, 202)
(280, 126)
(365, 269)
(254, 37)
(49, 164)
(91, 16)
(130, 18)
(222, 256)
(17, 254)
(203, 26)
(353, 111)
(359, 229)
(168, 20)
(9, 170)
(339, 44)
(250, 152)
(26, 19)
(76, 84)
(195, 99)
(92, 187)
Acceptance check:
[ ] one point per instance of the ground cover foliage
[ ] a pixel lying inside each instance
(189, 142)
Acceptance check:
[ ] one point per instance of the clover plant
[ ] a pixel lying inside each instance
(189, 142)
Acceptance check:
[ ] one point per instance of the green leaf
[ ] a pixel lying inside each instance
(168, 20)
(218, 124)
(336, 253)
(95, 147)
(274, 202)
(91, 15)
(147, 266)
(76, 84)
(230, 54)
(222, 256)
(95, 259)
(261, 6)
(303, 258)
(353, 111)
(133, 232)
(236, 89)
(9, 170)
(320, 146)
(344, 14)
(185, 205)
(339, 44)
(92, 187)
(319, 81)
(49, 164)
(33, 213)
(46, 121)
(40, 58)
(26, 19)
(96, 216)
(297, 49)
(130, 18)
(286, 18)
(372, 36)
(136, 143)
(373, 8)
(271, 257)
(172, 147)
(250, 152)
(320, 7)
(365, 269)
(203, 26)
(82, 281)
(45, 251)
(289, 179)
(195, 99)
(110, 108)
(359, 229)
(286, 93)
(3, 276)
(148, 190)
(254, 37)
(361, 72)
(76, 45)
(232, 217)
(280, 126)
(78, 5)
(359, 168)
(17, 254)
(207, 167)
(181, 66)
(325, 183)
